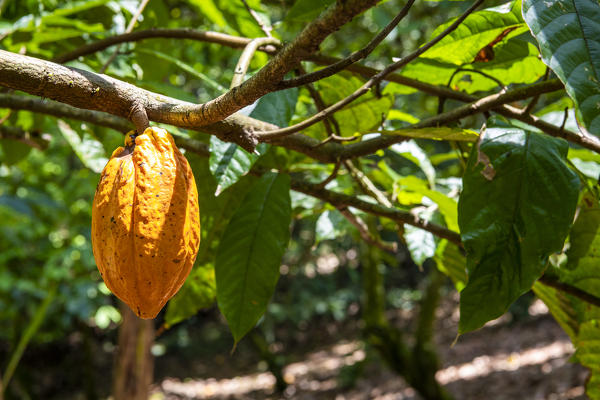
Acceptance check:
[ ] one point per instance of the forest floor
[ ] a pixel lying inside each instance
(527, 359)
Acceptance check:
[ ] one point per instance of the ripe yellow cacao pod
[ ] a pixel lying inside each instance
(146, 222)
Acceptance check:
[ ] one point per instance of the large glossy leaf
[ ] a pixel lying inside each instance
(477, 31)
(515, 61)
(516, 208)
(249, 255)
(568, 32)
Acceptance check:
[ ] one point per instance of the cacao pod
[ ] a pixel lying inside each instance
(146, 222)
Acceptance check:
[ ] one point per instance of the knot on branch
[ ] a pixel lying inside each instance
(245, 138)
(138, 116)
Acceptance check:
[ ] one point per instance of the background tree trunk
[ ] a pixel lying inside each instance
(134, 364)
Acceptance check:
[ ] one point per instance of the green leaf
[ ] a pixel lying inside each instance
(420, 243)
(579, 319)
(452, 263)
(411, 151)
(568, 32)
(88, 149)
(13, 151)
(446, 205)
(276, 107)
(249, 255)
(515, 61)
(306, 10)
(186, 67)
(516, 208)
(361, 116)
(440, 133)
(477, 31)
(331, 224)
(198, 291)
(215, 212)
(229, 162)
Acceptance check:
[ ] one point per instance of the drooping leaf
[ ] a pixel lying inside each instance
(568, 32)
(199, 291)
(88, 149)
(249, 255)
(516, 208)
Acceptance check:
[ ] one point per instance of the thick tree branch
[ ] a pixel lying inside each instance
(572, 290)
(366, 87)
(264, 81)
(303, 144)
(351, 59)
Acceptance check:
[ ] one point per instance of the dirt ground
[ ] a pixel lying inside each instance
(504, 360)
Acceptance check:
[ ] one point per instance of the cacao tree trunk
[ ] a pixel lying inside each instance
(133, 362)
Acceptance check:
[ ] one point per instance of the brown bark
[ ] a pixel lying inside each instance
(134, 364)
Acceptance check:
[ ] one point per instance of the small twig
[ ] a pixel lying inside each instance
(352, 58)
(336, 138)
(331, 176)
(271, 135)
(244, 62)
(266, 28)
(490, 77)
(320, 105)
(572, 290)
(363, 230)
(562, 126)
(366, 184)
(535, 100)
(136, 15)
